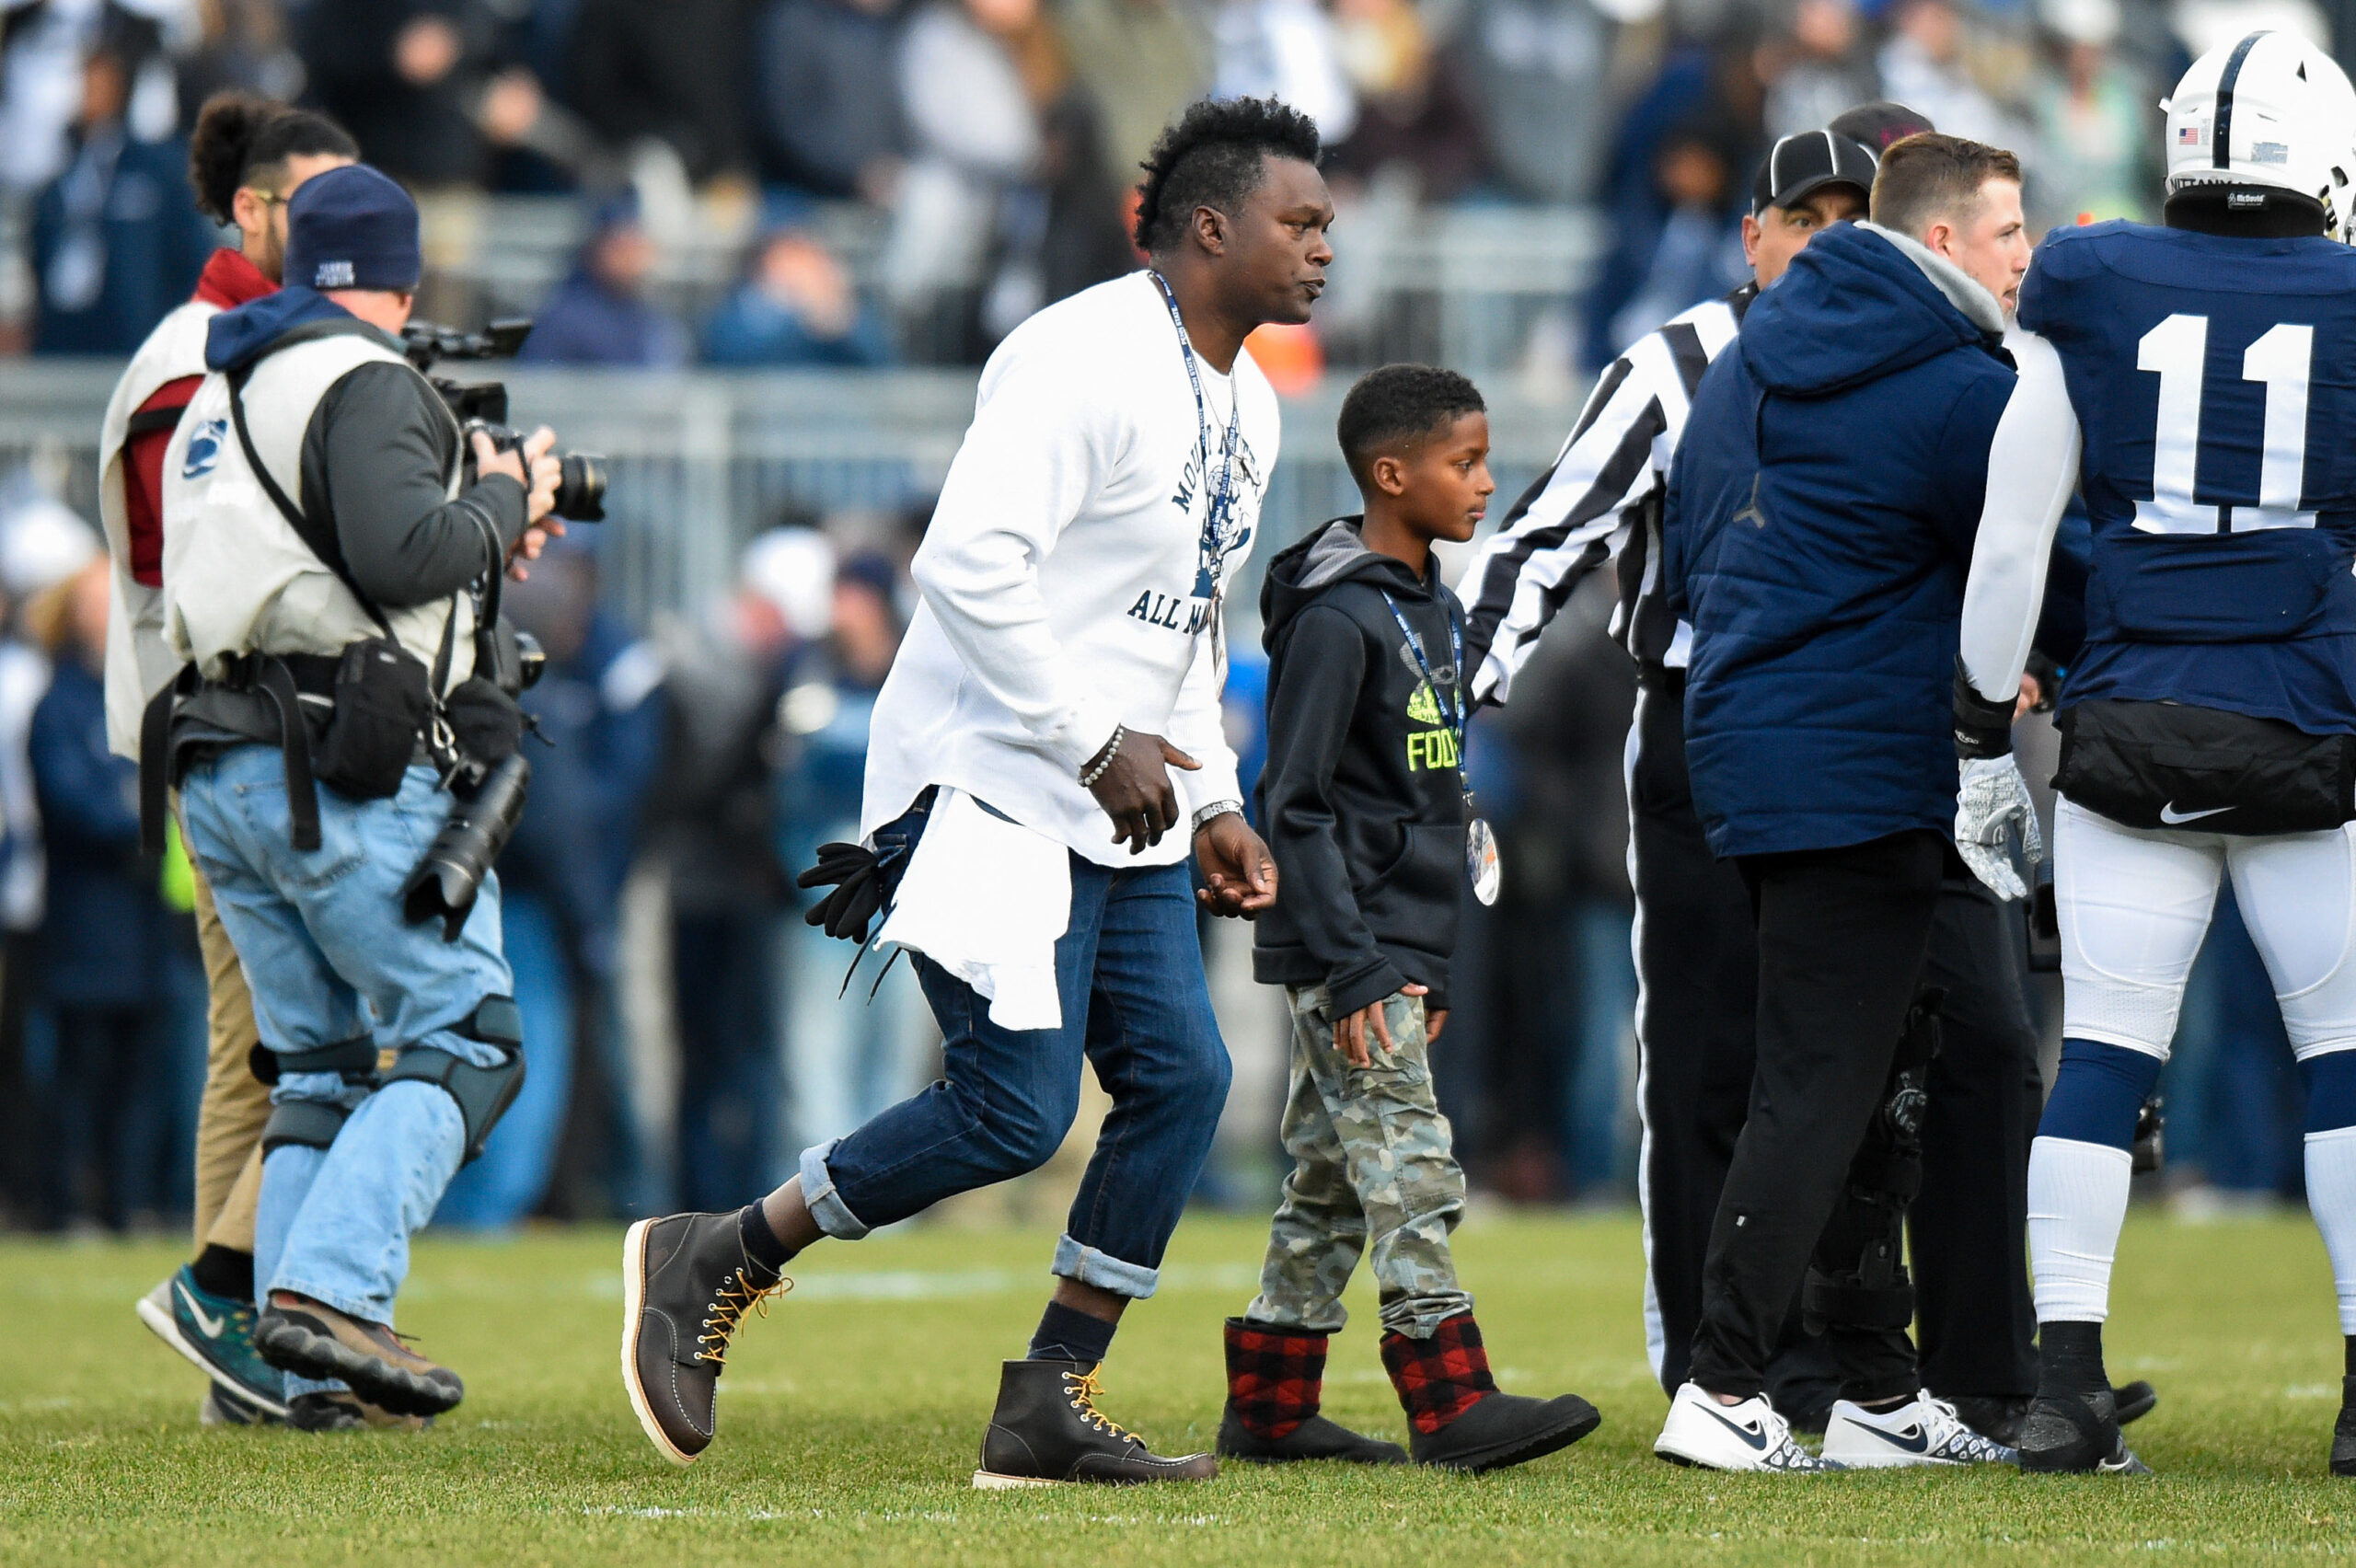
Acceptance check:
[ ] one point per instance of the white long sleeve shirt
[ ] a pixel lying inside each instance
(2032, 468)
(1069, 575)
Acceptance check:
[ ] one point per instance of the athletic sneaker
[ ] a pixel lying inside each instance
(333, 1410)
(2003, 1417)
(687, 1283)
(312, 1339)
(2343, 1431)
(217, 1333)
(221, 1408)
(2078, 1434)
(1746, 1437)
(1923, 1431)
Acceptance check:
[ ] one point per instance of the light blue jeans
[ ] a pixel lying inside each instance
(329, 957)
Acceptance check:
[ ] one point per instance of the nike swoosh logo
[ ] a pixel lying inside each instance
(2169, 814)
(1920, 1443)
(205, 1320)
(1756, 1439)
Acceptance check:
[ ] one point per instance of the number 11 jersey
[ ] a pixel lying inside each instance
(2214, 382)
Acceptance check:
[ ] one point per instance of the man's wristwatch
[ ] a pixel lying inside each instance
(1216, 809)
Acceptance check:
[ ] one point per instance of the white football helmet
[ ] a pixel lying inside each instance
(2269, 109)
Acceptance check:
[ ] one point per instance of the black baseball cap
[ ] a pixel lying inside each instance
(1879, 124)
(1804, 163)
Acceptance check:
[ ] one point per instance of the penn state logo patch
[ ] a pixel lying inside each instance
(334, 275)
(204, 449)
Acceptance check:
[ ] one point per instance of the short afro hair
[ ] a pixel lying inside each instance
(1212, 157)
(1396, 408)
(238, 132)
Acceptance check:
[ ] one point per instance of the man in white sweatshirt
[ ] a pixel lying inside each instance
(1068, 654)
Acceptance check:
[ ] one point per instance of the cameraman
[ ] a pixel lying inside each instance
(324, 588)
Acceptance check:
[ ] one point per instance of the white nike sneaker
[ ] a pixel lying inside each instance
(1746, 1437)
(1923, 1431)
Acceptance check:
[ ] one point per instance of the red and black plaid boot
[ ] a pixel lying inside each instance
(1462, 1421)
(1274, 1376)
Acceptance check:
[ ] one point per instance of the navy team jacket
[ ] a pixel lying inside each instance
(1819, 528)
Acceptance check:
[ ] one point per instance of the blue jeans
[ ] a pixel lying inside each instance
(1129, 970)
(329, 957)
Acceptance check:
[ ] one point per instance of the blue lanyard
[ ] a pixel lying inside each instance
(1216, 522)
(1452, 709)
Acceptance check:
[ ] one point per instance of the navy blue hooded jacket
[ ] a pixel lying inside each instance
(1819, 526)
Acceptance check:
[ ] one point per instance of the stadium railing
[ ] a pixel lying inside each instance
(700, 461)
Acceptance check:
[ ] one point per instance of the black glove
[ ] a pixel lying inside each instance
(852, 869)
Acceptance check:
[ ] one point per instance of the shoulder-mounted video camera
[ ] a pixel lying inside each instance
(481, 406)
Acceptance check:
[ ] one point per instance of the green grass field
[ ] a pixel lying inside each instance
(849, 1421)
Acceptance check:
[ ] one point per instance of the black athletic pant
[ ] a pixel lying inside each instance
(1697, 958)
(1842, 936)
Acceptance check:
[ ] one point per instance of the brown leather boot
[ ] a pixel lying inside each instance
(1046, 1429)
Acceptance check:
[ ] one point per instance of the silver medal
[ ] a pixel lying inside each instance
(1481, 860)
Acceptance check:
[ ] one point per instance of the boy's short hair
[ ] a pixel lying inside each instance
(1398, 407)
(1929, 176)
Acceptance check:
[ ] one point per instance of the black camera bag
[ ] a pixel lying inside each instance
(384, 702)
(2167, 765)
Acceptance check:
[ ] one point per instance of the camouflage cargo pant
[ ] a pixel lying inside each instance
(1372, 1171)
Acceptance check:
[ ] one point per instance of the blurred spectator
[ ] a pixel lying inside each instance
(2097, 131)
(240, 45)
(1538, 66)
(1924, 67)
(116, 239)
(1816, 69)
(1710, 88)
(716, 828)
(598, 706)
(600, 315)
(849, 1054)
(43, 47)
(42, 544)
(666, 71)
(110, 948)
(970, 76)
(1413, 117)
(401, 75)
(1286, 49)
(1698, 253)
(1141, 63)
(797, 306)
(1063, 231)
(826, 123)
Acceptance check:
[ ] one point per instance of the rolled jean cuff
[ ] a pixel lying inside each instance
(826, 1206)
(1089, 1266)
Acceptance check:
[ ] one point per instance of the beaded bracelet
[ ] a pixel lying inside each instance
(1104, 758)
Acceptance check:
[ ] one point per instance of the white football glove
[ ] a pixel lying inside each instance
(1992, 807)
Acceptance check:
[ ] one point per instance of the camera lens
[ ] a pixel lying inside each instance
(580, 488)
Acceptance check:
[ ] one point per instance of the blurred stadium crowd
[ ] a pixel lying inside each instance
(857, 184)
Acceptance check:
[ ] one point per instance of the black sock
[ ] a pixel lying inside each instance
(1066, 1334)
(224, 1270)
(2070, 1357)
(761, 1244)
(2348, 1358)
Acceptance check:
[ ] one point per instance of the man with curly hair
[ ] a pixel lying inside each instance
(1019, 808)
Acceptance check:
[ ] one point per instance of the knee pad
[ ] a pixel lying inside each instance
(2330, 1081)
(482, 1094)
(310, 1123)
(354, 1060)
(2098, 1094)
(1870, 1288)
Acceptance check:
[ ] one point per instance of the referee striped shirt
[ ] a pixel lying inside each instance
(1600, 499)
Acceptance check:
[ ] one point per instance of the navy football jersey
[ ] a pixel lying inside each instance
(2214, 379)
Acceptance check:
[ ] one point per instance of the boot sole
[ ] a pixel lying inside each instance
(293, 1348)
(990, 1480)
(161, 1324)
(1529, 1449)
(633, 1306)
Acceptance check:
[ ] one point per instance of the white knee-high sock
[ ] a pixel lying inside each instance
(2332, 1195)
(2077, 1201)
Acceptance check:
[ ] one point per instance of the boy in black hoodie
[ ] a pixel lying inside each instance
(1363, 803)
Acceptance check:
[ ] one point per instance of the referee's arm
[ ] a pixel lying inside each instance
(1571, 521)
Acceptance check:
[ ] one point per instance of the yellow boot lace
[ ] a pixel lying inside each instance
(727, 1310)
(1083, 1388)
